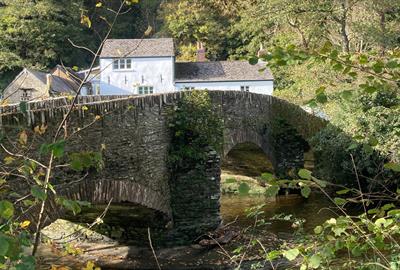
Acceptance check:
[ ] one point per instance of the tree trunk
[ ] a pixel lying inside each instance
(343, 27)
(383, 31)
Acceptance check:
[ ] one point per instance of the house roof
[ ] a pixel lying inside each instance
(60, 85)
(221, 71)
(41, 76)
(26, 72)
(69, 73)
(156, 47)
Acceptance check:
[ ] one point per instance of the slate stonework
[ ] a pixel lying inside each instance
(134, 137)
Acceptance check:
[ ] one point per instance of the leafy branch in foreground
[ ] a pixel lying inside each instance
(33, 168)
(370, 73)
(366, 241)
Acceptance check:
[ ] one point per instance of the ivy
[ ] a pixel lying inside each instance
(86, 160)
(195, 129)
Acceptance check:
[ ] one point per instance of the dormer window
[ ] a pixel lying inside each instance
(122, 64)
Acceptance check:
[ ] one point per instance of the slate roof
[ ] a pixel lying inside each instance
(58, 84)
(220, 71)
(155, 47)
(41, 76)
(72, 74)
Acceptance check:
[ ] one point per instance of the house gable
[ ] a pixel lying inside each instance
(28, 85)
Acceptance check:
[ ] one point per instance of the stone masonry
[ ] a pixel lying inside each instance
(134, 138)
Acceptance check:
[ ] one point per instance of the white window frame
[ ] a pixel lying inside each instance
(245, 88)
(145, 90)
(26, 95)
(122, 64)
(97, 89)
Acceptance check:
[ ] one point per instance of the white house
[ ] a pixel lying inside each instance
(223, 75)
(146, 66)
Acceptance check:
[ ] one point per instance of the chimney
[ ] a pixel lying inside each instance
(261, 52)
(201, 52)
(48, 82)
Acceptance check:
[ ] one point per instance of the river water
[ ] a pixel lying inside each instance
(279, 220)
(314, 211)
(234, 210)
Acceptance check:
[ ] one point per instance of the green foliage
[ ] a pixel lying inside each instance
(333, 149)
(74, 206)
(195, 127)
(363, 240)
(57, 148)
(304, 185)
(6, 209)
(191, 21)
(305, 174)
(38, 193)
(244, 189)
(86, 160)
(35, 33)
(50, 22)
(13, 238)
(272, 191)
(291, 254)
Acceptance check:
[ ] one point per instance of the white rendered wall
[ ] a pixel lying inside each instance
(260, 87)
(157, 72)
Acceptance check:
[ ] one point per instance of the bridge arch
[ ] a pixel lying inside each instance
(137, 138)
(116, 191)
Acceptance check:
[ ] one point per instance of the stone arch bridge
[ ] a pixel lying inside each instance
(134, 137)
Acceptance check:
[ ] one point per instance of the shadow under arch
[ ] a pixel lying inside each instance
(283, 145)
(246, 159)
(234, 137)
(100, 193)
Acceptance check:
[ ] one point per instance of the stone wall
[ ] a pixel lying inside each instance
(195, 200)
(134, 139)
(279, 128)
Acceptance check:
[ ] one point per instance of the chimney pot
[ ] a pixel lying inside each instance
(48, 82)
(261, 52)
(201, 52)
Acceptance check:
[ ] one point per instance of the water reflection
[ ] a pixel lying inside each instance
(315, 210)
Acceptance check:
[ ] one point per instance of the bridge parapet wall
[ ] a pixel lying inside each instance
(133, 135)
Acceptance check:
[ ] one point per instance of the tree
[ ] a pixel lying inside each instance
(191, 21)
(35, 33)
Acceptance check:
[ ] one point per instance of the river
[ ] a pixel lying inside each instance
(281, 216)
(279, 219)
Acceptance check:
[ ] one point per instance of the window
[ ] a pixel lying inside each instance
(89, 90)
(188, 88)
(97, 89)
(26, 95)
(122, 64)
(245, 88)
(144, 90)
